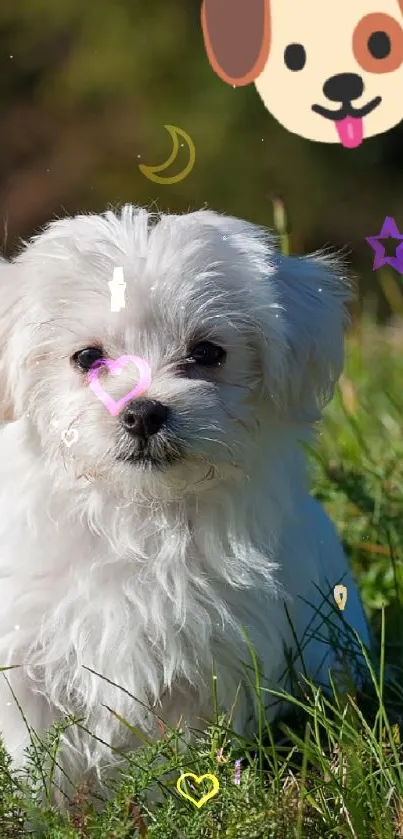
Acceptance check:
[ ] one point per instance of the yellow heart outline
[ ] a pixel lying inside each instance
(198, 779)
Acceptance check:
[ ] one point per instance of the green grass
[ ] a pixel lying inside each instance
(335, 768)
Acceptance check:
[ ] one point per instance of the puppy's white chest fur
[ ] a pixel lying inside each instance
(147, 602)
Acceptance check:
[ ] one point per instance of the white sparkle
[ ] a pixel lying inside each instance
(117, 289)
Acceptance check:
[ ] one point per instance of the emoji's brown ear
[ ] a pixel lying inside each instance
(237, 38)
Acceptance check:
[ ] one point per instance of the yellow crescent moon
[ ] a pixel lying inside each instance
(150, 171)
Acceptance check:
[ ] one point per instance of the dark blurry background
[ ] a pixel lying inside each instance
(86, 87)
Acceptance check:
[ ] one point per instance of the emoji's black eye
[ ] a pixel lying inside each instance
(379, 45)
(208, 354)
(295, 57)
(84, 359)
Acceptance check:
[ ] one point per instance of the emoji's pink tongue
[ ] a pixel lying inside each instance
(350, 131)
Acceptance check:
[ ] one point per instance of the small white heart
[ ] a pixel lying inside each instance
(69, 437)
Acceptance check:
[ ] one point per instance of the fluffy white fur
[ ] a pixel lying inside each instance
(148, 575)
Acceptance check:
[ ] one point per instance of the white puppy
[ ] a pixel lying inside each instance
(143, 545)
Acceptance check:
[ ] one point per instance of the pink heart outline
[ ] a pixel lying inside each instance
(114, 366)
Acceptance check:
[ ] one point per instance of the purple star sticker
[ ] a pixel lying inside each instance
(389, 230)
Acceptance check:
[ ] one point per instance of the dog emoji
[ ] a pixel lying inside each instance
(330, 72)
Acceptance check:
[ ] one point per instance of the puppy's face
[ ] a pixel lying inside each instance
(334, 75)
(329, 72)
(204, 309)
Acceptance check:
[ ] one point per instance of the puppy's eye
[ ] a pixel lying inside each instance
(208, 354)
(84, 359)
(379, 45)
(295, 57)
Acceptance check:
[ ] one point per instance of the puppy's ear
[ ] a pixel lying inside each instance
(237, 38)
(10, 298)
(313, 293)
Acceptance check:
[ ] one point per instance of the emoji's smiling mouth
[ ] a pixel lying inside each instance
(349, 121)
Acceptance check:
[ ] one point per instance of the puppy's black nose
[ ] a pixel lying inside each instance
(144, 417)
(344, 87)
